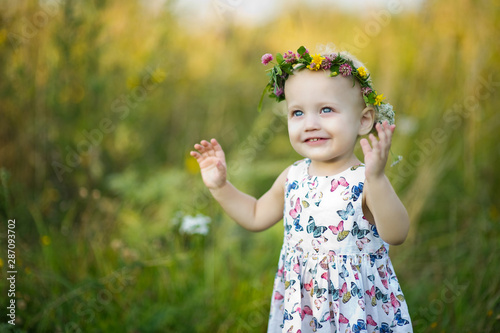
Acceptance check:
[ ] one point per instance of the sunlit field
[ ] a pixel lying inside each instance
(101, 102)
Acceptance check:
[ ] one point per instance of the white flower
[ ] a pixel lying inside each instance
(385, 112)
(195, 224)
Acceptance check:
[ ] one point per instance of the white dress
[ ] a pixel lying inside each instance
(334, 272)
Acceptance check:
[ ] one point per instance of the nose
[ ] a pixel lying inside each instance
(312, 122)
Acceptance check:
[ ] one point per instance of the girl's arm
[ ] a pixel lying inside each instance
(385, 209)
(251, 213)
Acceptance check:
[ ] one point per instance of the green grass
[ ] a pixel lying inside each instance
(98, 246)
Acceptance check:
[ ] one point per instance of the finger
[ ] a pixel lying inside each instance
(199, 148)
(365, 146)
(195, 154)
(375, 143)
(209, 149)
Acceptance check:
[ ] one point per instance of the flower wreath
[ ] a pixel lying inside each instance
(337, 63)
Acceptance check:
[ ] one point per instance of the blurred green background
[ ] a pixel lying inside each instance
(101, 102)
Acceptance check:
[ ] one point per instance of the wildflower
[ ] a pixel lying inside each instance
(316, 62)
(327, 63)
(366, 91)
(278, 91)
(195, 224)
(379, 99)
(398, 159)
(345, 69)
(289, 57)
(385, 112)
(362, 72)
(332, 74)
(45, 240)
(266, 58)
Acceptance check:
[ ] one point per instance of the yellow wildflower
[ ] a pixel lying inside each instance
(45, 240)
(362, 72)
(379, 99)
(317, 59)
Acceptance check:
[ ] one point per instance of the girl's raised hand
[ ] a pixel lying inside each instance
(376, 155)
(212, 161)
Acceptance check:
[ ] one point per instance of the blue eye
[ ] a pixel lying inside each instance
(326, 110)
(297, 113)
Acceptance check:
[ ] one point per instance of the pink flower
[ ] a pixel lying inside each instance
(266, 58)
(289, 57)
(278, 91)
(345, 69)
(366, 91)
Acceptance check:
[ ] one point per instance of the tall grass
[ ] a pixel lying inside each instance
(99, 245)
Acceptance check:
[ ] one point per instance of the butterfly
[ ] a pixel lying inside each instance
(355, 167)
(315, 324)
(361, 304)
(356, 191)
(333, 291)
(386, 308)
(361, 242)
(308, 286)
(317, 291)
(380, 295)
(306, 311)
(296, 210)
(381, 271)
(359, 233)
(278, 296)
(371, 294)
(339, 231)
(326, 317)
(359, 326)
(305, 203)
(324, 263)
(394, 301)
(384, 328)
(287, 316)
(289, 283)
(344, 214)
(292, 186)
(319, 301)
(355, 290)
(344, 293)
(312, 228)
(374, 230)
(324, 276)
(398, 320)
(370, 321)
(343, 319)
(344, 273)
(336, 183)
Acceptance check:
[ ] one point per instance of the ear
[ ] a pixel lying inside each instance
(367, 120)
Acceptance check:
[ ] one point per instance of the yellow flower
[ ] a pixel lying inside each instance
(45, 240)
(159, 75)
(191, 165)
(362, 72)
(317, 59)
(379, 98)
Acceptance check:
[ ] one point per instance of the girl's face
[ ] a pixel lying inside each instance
(324, 116)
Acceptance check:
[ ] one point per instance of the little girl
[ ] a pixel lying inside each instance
(334, 272)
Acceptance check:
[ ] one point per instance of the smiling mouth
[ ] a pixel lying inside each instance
(315, 139)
